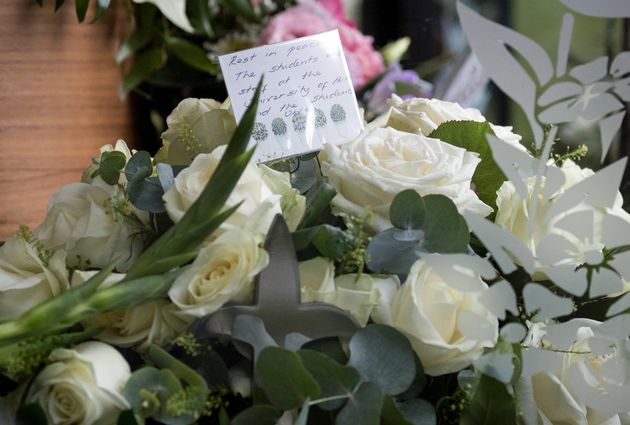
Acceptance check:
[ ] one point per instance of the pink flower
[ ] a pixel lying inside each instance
(309, 18)
(336, 9)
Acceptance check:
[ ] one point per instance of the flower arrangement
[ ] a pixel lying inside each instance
(430, 271)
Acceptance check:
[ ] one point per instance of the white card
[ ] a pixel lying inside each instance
(307, 98)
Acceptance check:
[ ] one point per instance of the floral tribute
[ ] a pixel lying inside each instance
(483, 283)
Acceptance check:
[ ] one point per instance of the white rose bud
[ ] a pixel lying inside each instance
(371, 170)
(259, 205)
(223, 271)
(29, 276)
(422, 116)
(82, 386)
(433, 315)
(292, 203)
(94, 223)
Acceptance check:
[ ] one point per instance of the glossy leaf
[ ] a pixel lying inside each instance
(472, 136)
(363, 407)
(333, 378)
(284, 378)
(445, 230)
(191, 54)
(491, 404)
(318, 198)
(407, 210)
(384, 356)
(142, 68)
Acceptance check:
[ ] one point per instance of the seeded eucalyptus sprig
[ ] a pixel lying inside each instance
(153, 273)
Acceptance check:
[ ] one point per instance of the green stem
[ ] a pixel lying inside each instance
(164, 360)
(331, 398)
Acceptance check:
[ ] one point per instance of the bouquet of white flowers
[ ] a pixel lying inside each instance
(430, 271)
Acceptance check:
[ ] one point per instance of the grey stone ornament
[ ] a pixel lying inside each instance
(277, 300)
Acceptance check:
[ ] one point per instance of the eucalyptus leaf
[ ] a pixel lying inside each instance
(418, 412)
(191, 54)
(284, 378)
(318, 198)
(146, 194)
(165, 175)
(387, 253)
(363, 407)
(330, 346)
(491, 404)
(445, 230)
(161, 383)
(407, 210)
(384, 356)
(260, 414)
(333, 378)
(472, 136)
(110, 166)
(140, 160)
(143, 66)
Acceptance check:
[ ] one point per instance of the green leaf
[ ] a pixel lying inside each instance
(284, 379)
(242, 8)
(146, 194)
(140, 160)
(127, 417)
(330, 241)
(491, 404)
(333, 378)
(317, 199)
(81, 7)
(199, 16)
(142, 68)
(411, 412)
(472, 136)
(384, 356)
(393, 251)
(260, 414)
(445, 230)
(191, 54)
(407, 210)
(32, 414)
(204, 215)
(363, 407)
(58, 4)
(110, 166)
(141, 34)
(160, 383)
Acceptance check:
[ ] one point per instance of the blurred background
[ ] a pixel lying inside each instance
(67, 88)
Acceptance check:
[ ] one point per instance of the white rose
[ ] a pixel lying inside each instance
(422, 116)
(436, 318)
(94, 223)
(154, 322)
(554, 397)
(223, 271)
(356, 294)
(29, 275)
(259, 205)
(371, 170)
(513, 214)
(195, 126)
(293, 204)
(82, 386)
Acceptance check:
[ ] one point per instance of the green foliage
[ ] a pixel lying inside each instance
(260, 414)
(445, 230)
(242, 8)
(407, 210)
(363, 407)
(32, 414)
(142, 31)
(191, 54)
(143, 66)
(330, 241)
(491, 404)
(472, 136)
(81, 7)
(110, 166)
(318, 198)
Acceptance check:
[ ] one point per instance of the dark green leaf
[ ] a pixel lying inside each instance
(58, 4)
(81, 7)
(212, 369)
(147, 194)
(127, 418)
(242, 8)
(391, 414)
(162, 383)
(284, 379)
(407, 210)
(418, 412)
(142, 68)
(333, 378)
(140, 160)
(317, 199)
(330, 241)
(110, 166)
(259, 414)
(31, 414)
(445, 230)
(224, 419)
(364, 406)
(141, 33)
(389, 252)
(191, 54)
(203, 216)
(384, 356)
(199, 16)
(472, 136)
(491, 404)
(417, 385)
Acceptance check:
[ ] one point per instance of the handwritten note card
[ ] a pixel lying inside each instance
(307, 98)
